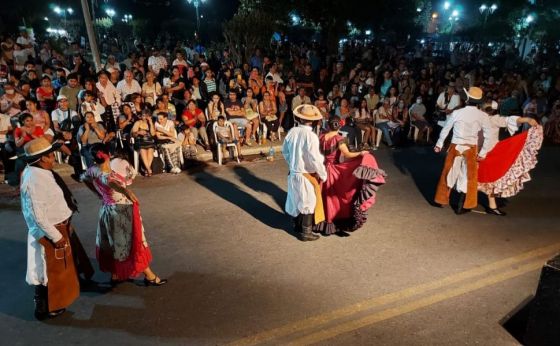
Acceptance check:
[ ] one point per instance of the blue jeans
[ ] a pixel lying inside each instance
(384, 127)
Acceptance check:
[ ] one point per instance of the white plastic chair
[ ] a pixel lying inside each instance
(228, 145)
(414, 131)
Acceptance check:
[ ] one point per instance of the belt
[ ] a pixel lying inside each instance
(64, 223)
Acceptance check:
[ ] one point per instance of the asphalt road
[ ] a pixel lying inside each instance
(414, 275)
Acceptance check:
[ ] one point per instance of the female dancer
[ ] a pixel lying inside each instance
(352, 182)
(122, 249)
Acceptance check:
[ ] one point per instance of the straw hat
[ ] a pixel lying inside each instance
(474, 94)
(37, 148)
(308, 112)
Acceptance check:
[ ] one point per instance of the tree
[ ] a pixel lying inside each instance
(251, 27)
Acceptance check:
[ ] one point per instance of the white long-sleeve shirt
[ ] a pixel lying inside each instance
(109, 92)
(466, 124)
(42, 203)
(302, 154)
(497, 122)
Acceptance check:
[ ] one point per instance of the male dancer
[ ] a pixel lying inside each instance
(460, 170)
(306, 165)
(47, 206)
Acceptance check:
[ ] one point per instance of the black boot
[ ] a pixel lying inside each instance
(307, 228)
(460, 210)
(42, 304)
(297, 224)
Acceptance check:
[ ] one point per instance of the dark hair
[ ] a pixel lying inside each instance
(44, 77)
(220, 117)
(334, 123)
(72, 76)
(24, 116)
(163, 114)
(191, 101)
(96, 148)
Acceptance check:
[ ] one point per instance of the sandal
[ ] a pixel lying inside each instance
(154, 282)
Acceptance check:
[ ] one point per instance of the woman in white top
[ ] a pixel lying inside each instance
(151, 89)
(215, 107)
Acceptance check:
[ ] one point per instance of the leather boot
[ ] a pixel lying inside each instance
(297, 224)
(460, 210)
(42, 304)
(307, 228)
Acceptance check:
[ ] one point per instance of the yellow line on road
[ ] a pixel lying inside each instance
(415, 305)
(318, 320)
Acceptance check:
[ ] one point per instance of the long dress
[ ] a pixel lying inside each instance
(121, 246)
(507, 165)
(350, 189)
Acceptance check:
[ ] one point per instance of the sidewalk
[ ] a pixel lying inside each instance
(66, 170)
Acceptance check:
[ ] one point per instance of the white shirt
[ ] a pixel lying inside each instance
(109, 92)
(42, 203)
(157, 63)
(497, 122)
(58, 115)
(126, 89)
(301, 151)
(4, 126)
(466, 124)
(453, 103)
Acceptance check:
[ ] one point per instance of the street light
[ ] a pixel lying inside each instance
(529, 19)
(196, 4)
(110, 12)
(446, 5)
(57, 10)
(70, 10)
(486, 11)
(127, 18)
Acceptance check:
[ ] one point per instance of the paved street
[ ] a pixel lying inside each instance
(414, 275)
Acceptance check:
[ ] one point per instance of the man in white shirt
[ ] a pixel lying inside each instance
(300, 99)
(128, 85)
(446, 103)
(47, 206)
(157, 63)
(305, 163)
(460, 170)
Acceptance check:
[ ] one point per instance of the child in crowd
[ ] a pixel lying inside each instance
(225, 136)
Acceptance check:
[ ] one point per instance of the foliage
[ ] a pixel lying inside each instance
(251, 27)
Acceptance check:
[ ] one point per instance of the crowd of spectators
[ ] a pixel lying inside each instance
(162, 101)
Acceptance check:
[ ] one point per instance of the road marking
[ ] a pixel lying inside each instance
(415, 305)
(318, 320)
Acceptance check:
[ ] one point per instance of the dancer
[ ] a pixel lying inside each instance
(507, 164)
(47, 206)
(460, 169)
(122, 249)
(305, 163)
(352, 182)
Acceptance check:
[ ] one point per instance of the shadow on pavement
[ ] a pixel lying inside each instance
(252, 206)
(191, 305)
(424, 166)
(253, 182)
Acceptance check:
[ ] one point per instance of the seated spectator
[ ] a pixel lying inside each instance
(268, 112)
(194, 119)
(215, 107)
(128, 85)
(188, 143)
(151, 89)
(40, 117)
(382, 119)
(167, 142)
(250, 106)
(364, 122)
(224, 136)
(174, 85)
(71, 90)
(417, 116)
(300, 99)
(552, 126)
(90, 104)
(90, 132)
(144, 133)
(46, 95)
(11, 101)
(236, 116)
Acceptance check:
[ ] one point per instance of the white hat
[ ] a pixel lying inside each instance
(61, 97)
(308, 112)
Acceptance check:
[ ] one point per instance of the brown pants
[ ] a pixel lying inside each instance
(443, 191)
